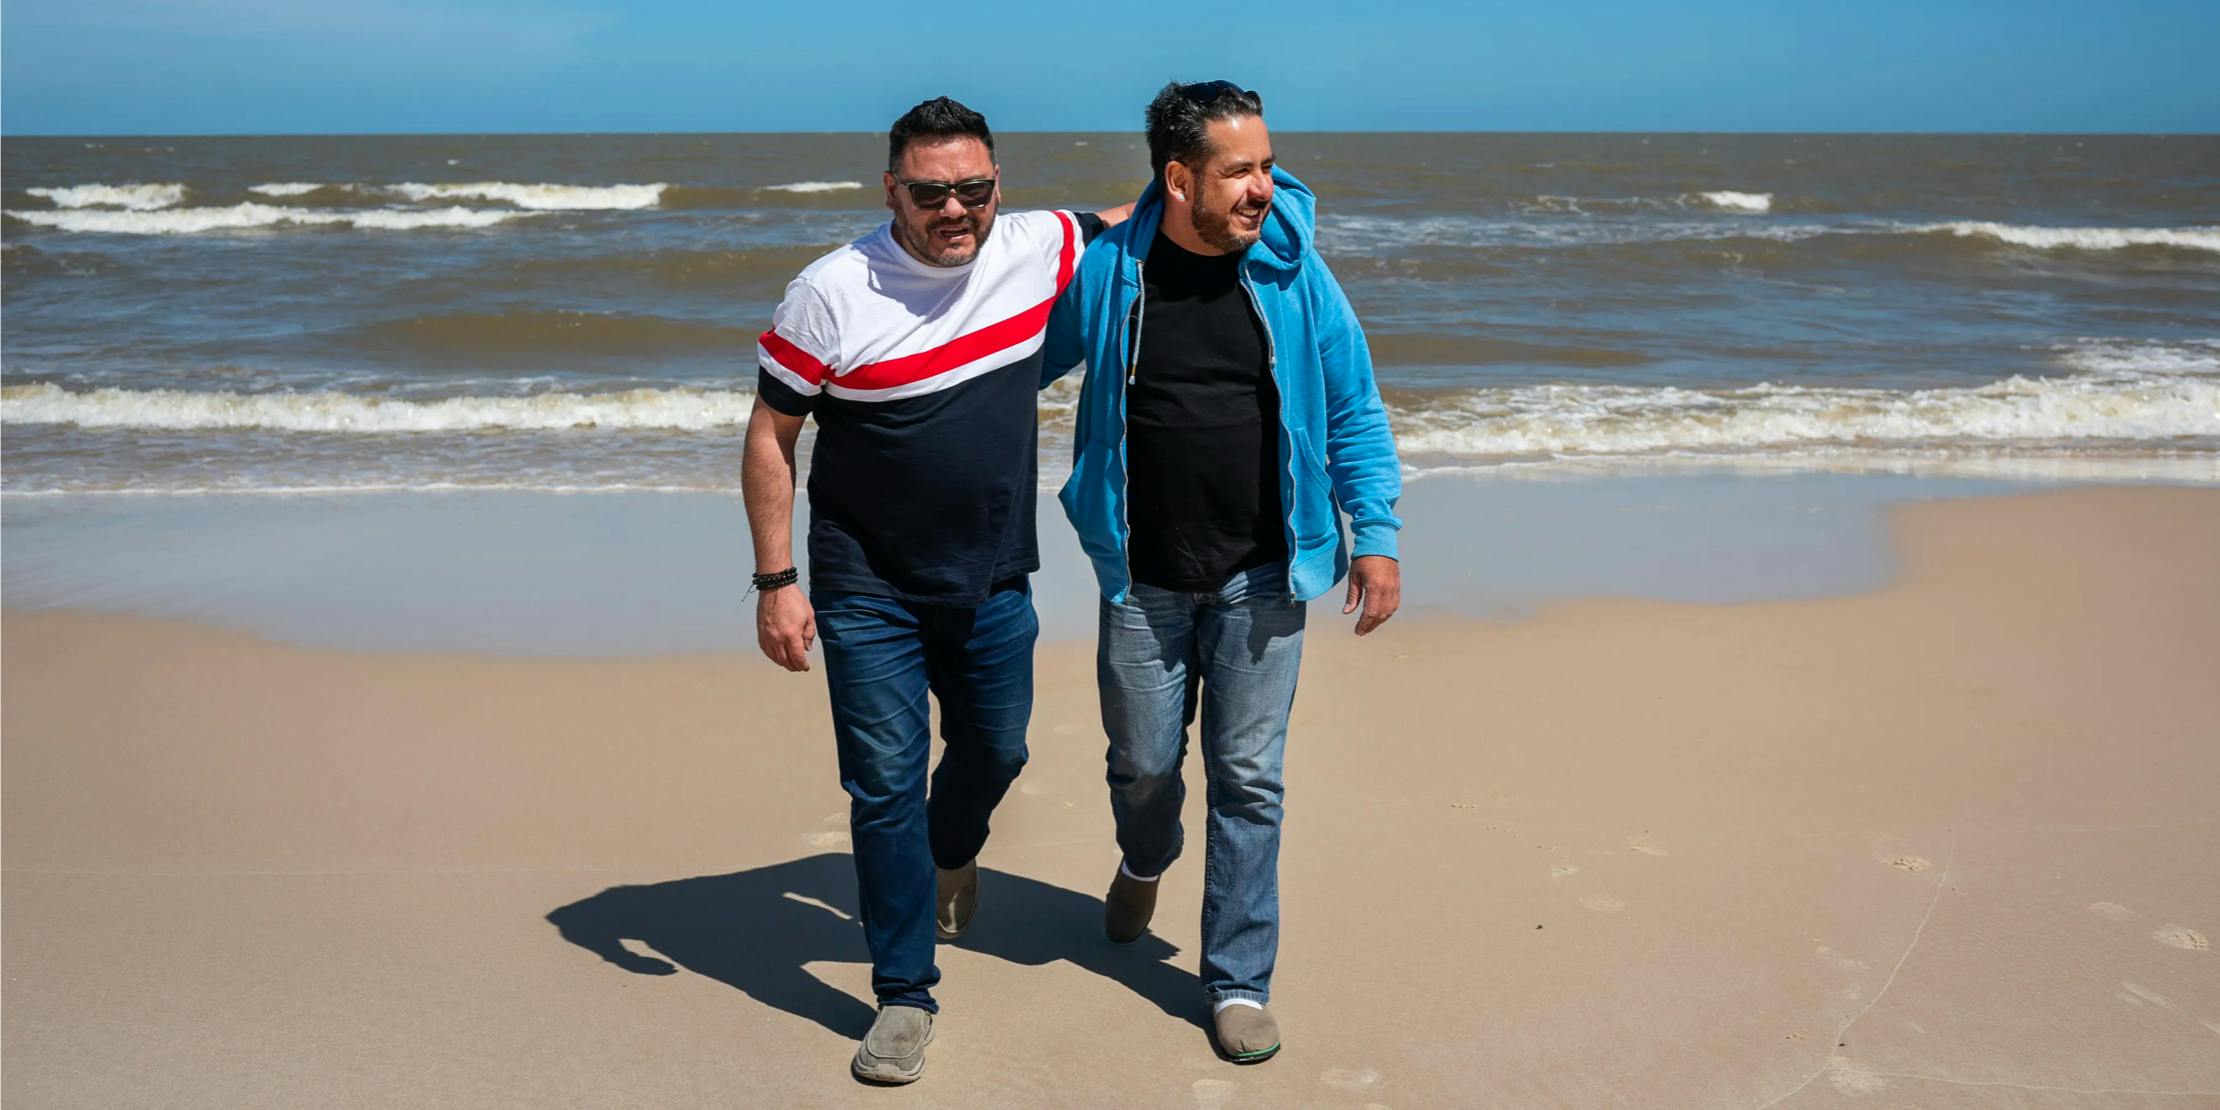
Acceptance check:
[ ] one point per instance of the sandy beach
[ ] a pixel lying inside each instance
(1944, 842)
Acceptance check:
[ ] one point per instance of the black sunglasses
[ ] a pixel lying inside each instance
(974, 193)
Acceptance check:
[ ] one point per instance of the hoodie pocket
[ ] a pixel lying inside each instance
(1086, 500)
(1313, 509)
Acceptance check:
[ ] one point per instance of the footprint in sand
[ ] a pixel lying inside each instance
(1562, 870)
(1354, 1080)
(2112, 911)
(1841, 962)
(1210, 1094)
(1642, 844)
(2182, 937)
(827, 840)
(1913, 864)
(1852, 1082)
(1602, 903)
(2136, 994)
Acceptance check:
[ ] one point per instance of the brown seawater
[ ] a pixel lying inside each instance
(577, 312)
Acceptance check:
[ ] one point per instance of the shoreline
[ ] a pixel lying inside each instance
(643, 575)
(1940, 840)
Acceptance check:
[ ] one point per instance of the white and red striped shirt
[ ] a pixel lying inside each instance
(868, 322)
(922, 380)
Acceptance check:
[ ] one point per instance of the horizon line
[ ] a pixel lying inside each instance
(1844, 132)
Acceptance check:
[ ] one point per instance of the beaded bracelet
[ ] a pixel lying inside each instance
(775, 579)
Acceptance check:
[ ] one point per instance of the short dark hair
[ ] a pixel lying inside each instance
(935, 119)
(1179, 119)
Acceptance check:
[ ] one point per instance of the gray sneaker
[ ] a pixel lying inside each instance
(1246, 1034)
(893, 1052)
(958, 900)
(1126, 910)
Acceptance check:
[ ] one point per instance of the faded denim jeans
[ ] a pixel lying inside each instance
(882, 658)
(1232, 654)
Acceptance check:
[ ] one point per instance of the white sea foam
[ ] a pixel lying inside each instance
(2145, 394)
(814, 186)
(285, 188)
(2081, 238)
(136, 196)
(242, 217)
(2158, 396)
(536, 196)
(1368, 235)
(1738, 202)
(667, 409)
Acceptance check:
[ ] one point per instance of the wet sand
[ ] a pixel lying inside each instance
(1942, 842)
(599, 575)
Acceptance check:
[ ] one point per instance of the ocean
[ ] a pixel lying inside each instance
(328, 315)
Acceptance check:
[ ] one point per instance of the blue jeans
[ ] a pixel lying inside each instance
(882, 656)
(1232, 653)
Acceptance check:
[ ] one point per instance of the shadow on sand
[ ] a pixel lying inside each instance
(754, 931)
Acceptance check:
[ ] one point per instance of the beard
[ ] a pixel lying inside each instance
(923, 243)
(1215, 227)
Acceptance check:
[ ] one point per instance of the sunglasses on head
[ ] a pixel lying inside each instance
(974, 193)
(1205, 92)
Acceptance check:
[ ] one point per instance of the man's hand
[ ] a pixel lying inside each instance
(785, 626)
(1376, 582)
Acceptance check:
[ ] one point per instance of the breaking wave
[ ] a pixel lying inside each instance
(137, 197)
(667, 409)
(814, 186)
(1738, 202)
(2080, 238)
(543, 198)
(244, 217)
(2142, 394)
(2123, 396)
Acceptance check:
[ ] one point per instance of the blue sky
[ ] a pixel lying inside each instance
(294, 66)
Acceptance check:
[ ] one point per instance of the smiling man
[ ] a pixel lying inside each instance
(917, 349)
(1228, 419)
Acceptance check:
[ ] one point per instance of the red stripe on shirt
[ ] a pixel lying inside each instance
(796, 360)
(972, 346)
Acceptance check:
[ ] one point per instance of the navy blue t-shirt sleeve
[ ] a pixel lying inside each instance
(781, 397)
(1090, 225)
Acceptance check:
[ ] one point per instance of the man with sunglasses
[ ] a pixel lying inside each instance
(917, 349)
(1229, 418)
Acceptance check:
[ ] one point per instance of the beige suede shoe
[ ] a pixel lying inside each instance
(1246, 1034)
(958, 901)
(1127, 908)
(893, 1052)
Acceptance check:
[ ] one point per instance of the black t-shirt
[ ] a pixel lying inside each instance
(1202, 427)
(924, 383)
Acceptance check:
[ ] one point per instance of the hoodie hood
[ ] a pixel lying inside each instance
(1288, 230)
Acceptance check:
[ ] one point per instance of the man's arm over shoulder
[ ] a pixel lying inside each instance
(1064, 346)
(1360, 444)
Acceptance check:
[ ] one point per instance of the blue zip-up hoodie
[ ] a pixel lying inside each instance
(1337, 454)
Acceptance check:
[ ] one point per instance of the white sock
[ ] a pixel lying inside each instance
(1219, 1006)
(1128, 873)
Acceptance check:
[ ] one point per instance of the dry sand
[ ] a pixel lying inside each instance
(1948, 843)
